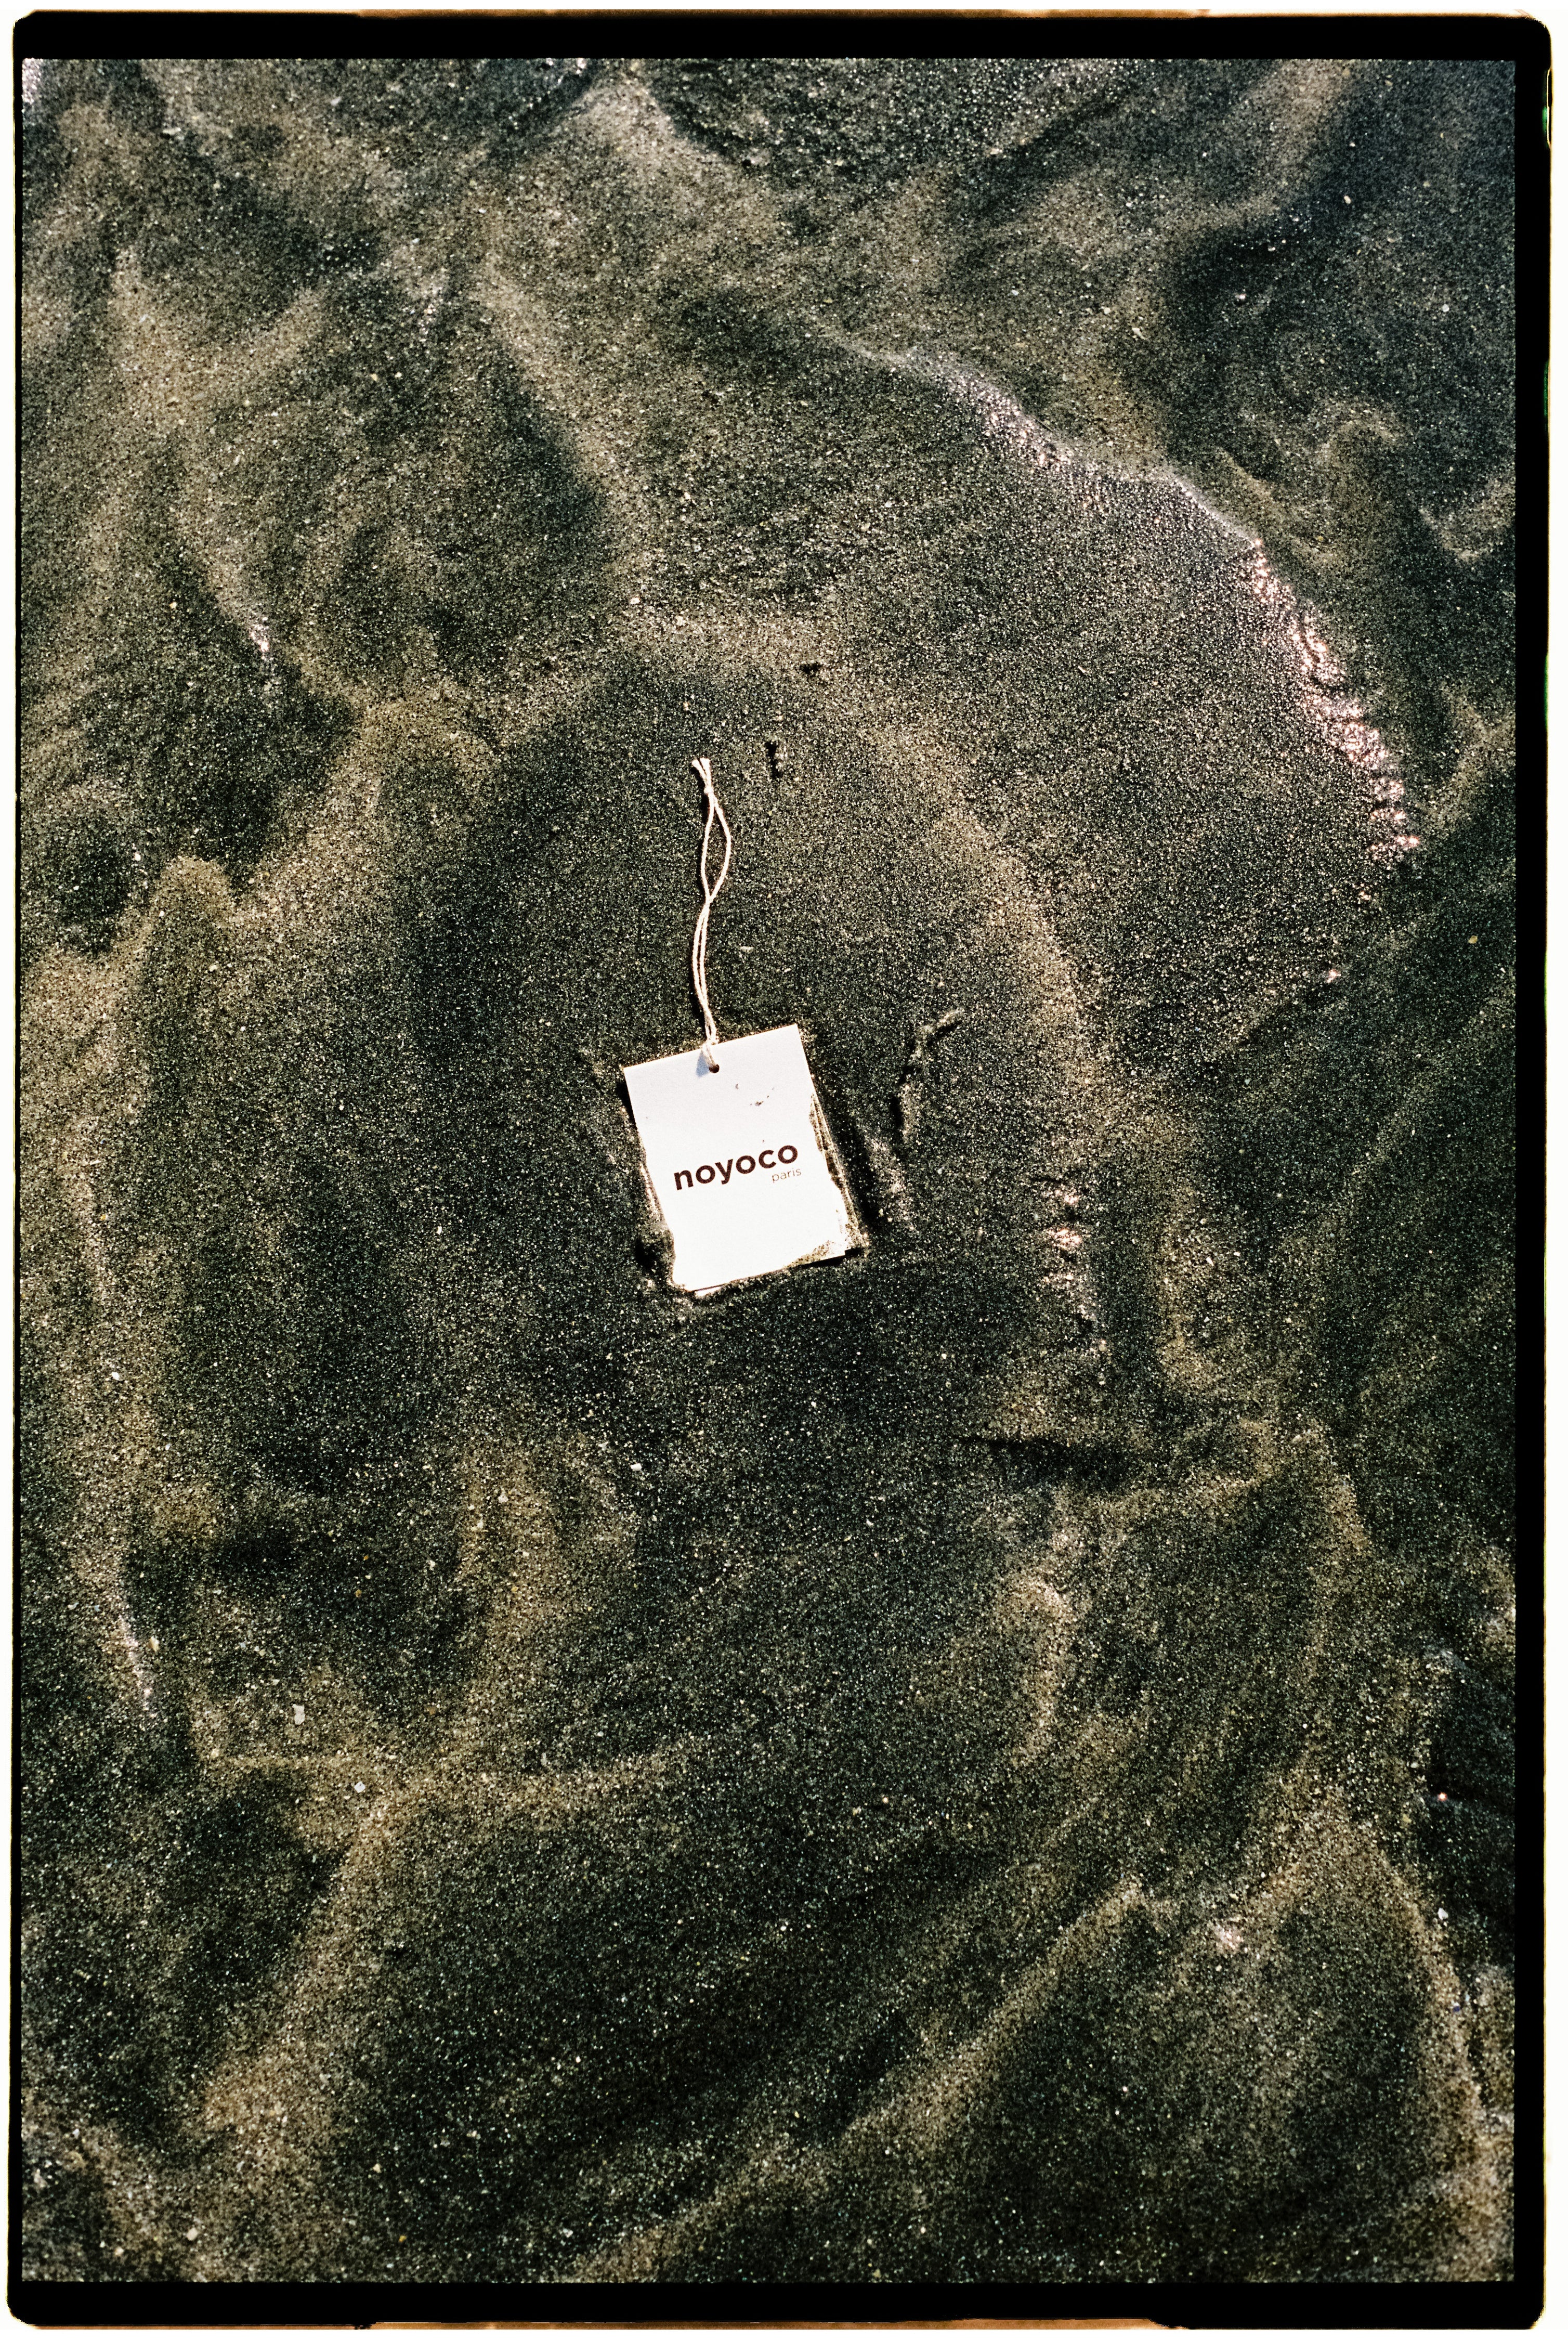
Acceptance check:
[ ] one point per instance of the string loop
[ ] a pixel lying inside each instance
(700, 766)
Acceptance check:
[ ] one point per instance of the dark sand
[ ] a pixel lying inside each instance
(988, 1760)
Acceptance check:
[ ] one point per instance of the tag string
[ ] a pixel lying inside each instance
(710, 896)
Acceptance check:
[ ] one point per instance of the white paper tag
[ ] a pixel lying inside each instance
(739, 1160)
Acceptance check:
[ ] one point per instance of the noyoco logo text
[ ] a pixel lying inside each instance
(740, 1166)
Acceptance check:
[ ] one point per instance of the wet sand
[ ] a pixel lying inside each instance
(983, 1762)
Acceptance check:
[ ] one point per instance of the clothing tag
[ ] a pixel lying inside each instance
(739, 1160)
